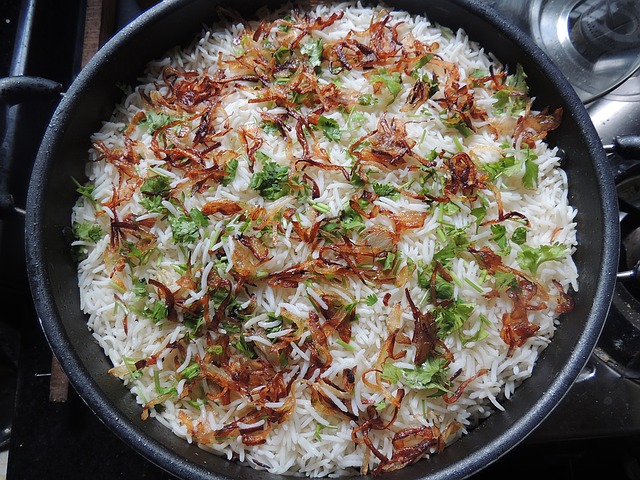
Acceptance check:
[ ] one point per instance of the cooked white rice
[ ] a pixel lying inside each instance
(315, 441)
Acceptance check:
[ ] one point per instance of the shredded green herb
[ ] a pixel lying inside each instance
(313, 50)
(271, 182)
(230, 169)
(431, 375)
(386, 190)
(392, 81)
(186, 228)
(330, 128)
(89, 232)
(530, 258)
(156, 120)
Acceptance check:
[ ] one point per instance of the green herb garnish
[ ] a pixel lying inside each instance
(330, 128)
(88, 232)
(386, 190)
(530, 258)
(156, 120)
(230, 168)
(272, 181)
(313, 50)
(392, 81)
(372, 299)
(186, 228)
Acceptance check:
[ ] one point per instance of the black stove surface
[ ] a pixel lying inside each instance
(594, 431)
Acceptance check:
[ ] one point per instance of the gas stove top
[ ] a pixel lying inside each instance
(49, 431)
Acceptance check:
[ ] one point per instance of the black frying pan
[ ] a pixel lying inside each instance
(91, 99)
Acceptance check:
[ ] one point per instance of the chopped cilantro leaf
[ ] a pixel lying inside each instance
(386, 190)
(155, 120)
(135, 255)
(509, 102)
(432, 374)
(154, 311)
(461, 127)
(510, 166)
(388, 261)
(457, 241)
(262, 157)
(89, 232)
(499, 235)
(218, 296)
(193, 322)
(506, 166)
(330, 128)
(518, 80)
(140, 288)
(271, 182)
(392, 81)
(351, 220)
(505, 280)
(530, 178)
(357, 181)
(479, 212)
(444, 288)
(200, 218)
(231, 327)
(153, 204)
(367, 100)
(530, 258)
(512, 99)
(85, 190)
(391, 373)
(519, 235)
(186, 228)
(270, 128)
(450, 318)
(480, 333)
(313, 50)
(230, 169)
(433, 83)
(154, 190)
(157, 185)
